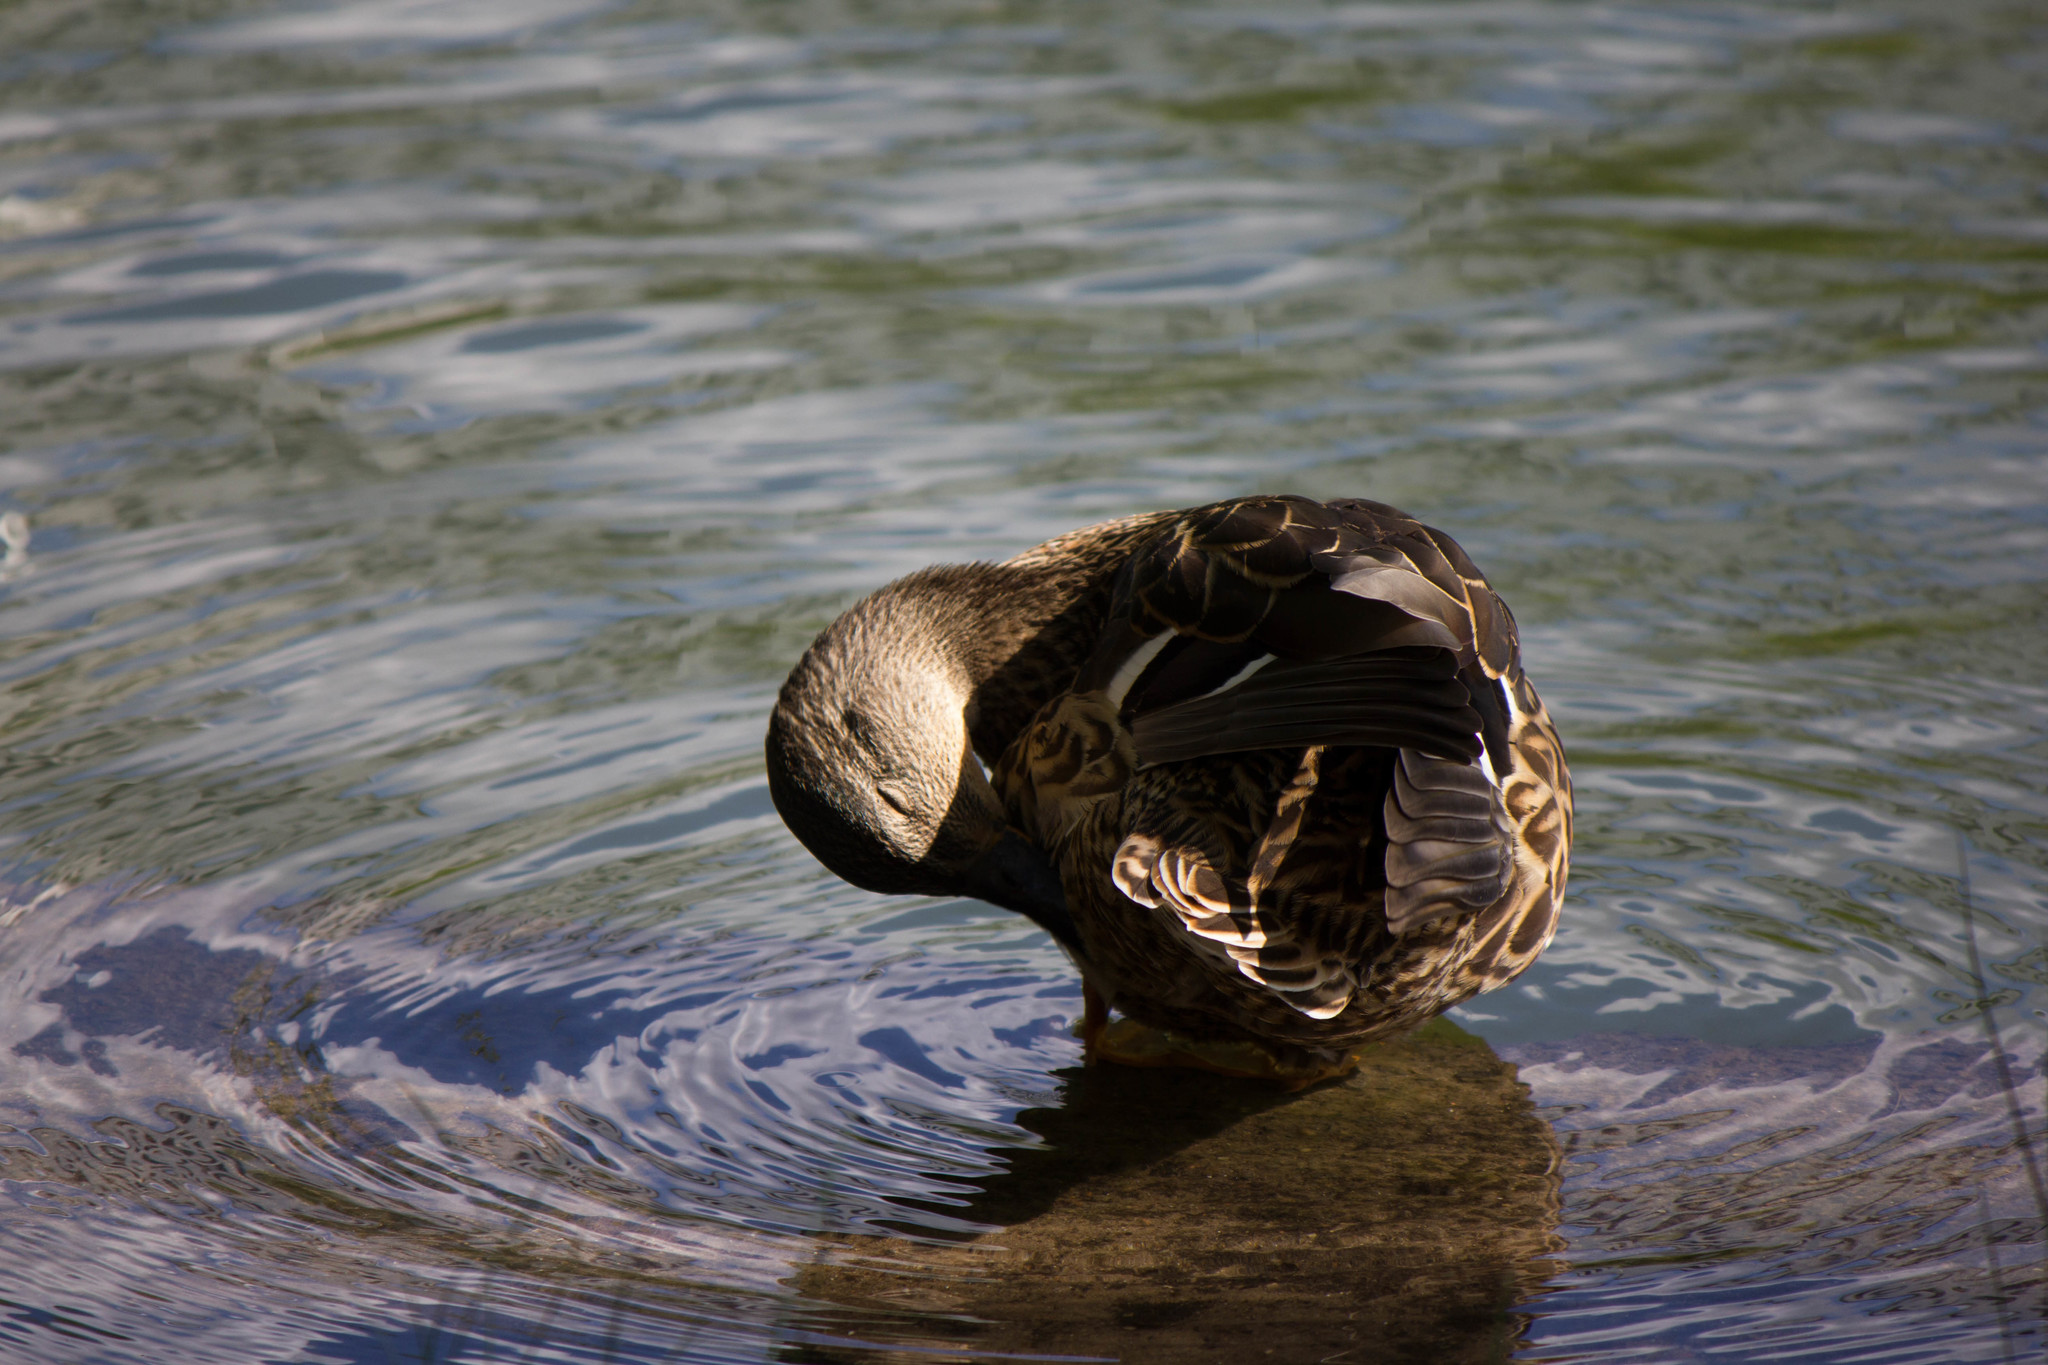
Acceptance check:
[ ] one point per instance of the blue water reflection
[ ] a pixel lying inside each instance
(291, 294)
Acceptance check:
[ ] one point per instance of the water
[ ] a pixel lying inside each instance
(440, 426)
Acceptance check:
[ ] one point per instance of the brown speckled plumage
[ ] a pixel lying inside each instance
(1280, 753)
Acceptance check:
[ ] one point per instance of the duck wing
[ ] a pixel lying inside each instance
(1280, 622)
(1275, 621)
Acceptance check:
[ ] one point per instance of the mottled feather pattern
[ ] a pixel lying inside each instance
(1398, 840)
(1074, 754)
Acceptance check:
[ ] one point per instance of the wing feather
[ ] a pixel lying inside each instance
(1407, 697)
(1450, 848)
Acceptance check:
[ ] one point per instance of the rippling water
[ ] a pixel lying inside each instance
(439, 425)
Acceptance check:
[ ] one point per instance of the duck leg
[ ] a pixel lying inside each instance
(1094, 1021)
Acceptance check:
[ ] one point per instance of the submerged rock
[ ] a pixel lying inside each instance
(1180, 1216)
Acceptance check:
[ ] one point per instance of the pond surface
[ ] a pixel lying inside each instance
(439, 426)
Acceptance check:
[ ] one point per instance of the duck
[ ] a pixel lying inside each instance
(1269, 770)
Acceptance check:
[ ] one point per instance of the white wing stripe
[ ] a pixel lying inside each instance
(1234, 679)
(1127, 676)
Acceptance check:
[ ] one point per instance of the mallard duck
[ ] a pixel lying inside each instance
(1269, 770)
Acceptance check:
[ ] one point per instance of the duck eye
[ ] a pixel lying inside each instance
(894, 801)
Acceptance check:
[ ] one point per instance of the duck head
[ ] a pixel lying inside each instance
(870, 765)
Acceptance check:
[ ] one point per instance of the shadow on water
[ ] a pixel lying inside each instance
(1398, 1215)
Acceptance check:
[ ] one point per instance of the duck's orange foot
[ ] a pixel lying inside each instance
(1127, 1042)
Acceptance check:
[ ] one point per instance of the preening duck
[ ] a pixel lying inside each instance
(1269, 770)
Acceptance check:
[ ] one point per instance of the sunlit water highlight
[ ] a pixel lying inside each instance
(439, 426)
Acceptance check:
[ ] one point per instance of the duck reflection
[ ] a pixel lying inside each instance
(1180, 1216)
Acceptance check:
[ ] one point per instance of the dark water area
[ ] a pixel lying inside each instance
(433, 429)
